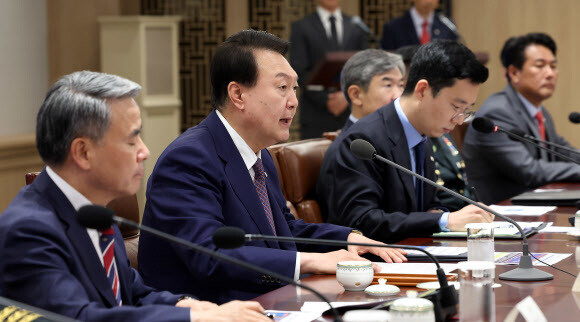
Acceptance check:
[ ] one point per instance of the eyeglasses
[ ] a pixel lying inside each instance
(465, 115)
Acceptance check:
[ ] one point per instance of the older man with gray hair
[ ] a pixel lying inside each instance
(370, 79)
(87, 133)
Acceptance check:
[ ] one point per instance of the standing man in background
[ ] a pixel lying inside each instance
(498, 167)
(418, 26)
(323, 31)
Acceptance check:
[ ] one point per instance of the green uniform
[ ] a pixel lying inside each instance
(450, 171)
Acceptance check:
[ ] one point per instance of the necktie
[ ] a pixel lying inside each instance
(333, 32)
(419, 160)
(107, 242)
(425, 36)
(541, 127)
(260, 183)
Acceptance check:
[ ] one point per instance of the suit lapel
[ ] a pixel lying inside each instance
(122, 268)
(409, 29)
(525, 116)
(400, 151)
(238, 176)
(316, 26)
(346, 31)
(78, 236)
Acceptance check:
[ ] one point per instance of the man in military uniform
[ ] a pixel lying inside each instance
(450, 171)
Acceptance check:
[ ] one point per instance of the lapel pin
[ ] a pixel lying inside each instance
(436, 32)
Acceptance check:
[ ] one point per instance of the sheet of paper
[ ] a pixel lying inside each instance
(292, 316)
(319, 307)
(522, 210)
(513, 258)
(415, 268)
(557, 229)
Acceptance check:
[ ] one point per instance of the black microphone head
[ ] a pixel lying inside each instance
(574, 117)
(96, 217)
(363, 149)
(229, 237)
(483, 124)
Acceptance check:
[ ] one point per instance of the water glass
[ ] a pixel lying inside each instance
(480, 244)
(476, 297)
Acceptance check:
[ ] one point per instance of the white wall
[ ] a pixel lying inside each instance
(23, 64)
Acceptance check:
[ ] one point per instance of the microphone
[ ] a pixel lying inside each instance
(574, 117)
(525, 272)
(99, 217)
(358, 21)
(485, 125)
(234, 237)
(519, 132)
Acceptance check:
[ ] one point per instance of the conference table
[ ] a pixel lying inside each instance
(554, 297)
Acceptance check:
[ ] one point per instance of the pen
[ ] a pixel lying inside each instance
(474, 193)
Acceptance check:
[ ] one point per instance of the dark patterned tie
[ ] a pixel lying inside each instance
(333, 32)
(419, 161)
(107, 242)
(260, 182)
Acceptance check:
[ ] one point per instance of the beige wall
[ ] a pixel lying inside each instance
(485, 25)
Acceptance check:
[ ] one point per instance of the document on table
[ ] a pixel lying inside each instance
(293, 316)
(558, 229)
(320, 307)
(501, 229)
(415, 268)
(522, 210)
(513, 258)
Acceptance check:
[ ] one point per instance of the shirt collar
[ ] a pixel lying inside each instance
(76, 199)
(412, 135)
(325, 14)
(246, 152)
(532, 110)
(418, 19)
(352, 118)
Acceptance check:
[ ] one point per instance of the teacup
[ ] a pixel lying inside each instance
(354, 275)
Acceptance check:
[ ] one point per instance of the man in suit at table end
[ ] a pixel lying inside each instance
(378, 199)
(219, 173)
(87, 133)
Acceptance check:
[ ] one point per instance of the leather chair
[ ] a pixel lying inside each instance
(299, 164)
(126, 207)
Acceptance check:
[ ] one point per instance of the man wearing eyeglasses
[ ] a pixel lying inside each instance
(377, 199)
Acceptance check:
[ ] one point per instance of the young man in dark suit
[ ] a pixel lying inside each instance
(87, 133)
(418, 26)
(378, 199)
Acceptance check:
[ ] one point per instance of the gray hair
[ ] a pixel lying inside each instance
(77, 105)
(364, 65)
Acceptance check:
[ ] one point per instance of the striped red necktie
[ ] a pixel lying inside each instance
(541, 126)
(107, 242)
(425, 35)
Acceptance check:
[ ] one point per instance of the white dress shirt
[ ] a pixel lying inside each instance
(250, 159)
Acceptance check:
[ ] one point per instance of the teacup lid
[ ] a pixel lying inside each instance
(412, 304)
(382, 289)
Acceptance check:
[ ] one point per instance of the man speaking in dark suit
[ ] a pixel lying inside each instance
(323, 31)
(381, 201)
(87, 132)
(219, 173)
(418, 26)
(501, 168)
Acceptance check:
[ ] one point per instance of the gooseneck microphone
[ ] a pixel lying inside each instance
(519, 132)
(98, 217)
(574, 117)
(525, 272)
(234, 237)
(485, 125)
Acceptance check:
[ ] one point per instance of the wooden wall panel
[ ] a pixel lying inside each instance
(485, 25)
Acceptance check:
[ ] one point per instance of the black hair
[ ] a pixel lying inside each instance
(234, 61)
(441, 63)
(513, 51)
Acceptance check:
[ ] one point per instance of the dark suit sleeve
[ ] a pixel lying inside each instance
(41, 276)
(387, 38)
(362, 194)
(513, 159)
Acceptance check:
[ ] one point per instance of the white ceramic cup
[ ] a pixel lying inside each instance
(354, 275)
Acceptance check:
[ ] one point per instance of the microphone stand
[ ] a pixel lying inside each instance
(228, 259)
(525, 271)
(516, 136)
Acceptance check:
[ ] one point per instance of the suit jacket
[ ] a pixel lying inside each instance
(500, 168)
(200, 183)
(49, 261)
(450, 172)
(400, 31)
(371, 196)
(308, 45)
